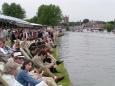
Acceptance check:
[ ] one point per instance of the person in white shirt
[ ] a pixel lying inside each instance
(10, 72)
(5, 51)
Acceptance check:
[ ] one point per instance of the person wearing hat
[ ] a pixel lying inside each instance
(18, 58)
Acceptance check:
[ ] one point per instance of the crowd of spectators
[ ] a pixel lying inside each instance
(28, 58)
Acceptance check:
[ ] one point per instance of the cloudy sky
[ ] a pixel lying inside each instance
(75, 9)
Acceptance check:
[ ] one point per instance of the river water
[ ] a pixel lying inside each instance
(89, 58)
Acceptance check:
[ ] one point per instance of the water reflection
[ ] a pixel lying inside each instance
(89, 58)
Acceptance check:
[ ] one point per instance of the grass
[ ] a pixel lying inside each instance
(62, 70)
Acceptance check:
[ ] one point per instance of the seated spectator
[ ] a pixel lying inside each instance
(24, 78)
(18, 59)
(41, 58)
(49, 57)
(10, 72)
(5, 51)
(48, 62)
(38, 62)
(16, 46)
(38, 74)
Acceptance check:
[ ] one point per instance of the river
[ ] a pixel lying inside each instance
(89, 58)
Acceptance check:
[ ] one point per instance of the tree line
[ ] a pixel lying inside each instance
(46, 14)
(109, 26)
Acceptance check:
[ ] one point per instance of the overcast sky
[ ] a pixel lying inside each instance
(75, 9)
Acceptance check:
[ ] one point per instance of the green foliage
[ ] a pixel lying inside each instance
(13, 10)
(111, 22)
(49, 15)
(33, 20)
(5, 6)
(109, 27)
(74, 23)
(85, 20)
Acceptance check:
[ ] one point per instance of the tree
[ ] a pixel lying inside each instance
(74, 23)
(111, 22)
(85, 20)
(5, 6)
(109, 27)
(49, 15)
(32, 20)
(13, 10)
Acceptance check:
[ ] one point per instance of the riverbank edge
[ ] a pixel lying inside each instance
(62, 70)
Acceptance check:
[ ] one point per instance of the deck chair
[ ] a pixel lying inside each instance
(22, 45)
(25, 47)
(1, 66)
(3, 82)
(3, 59)
(24, 53)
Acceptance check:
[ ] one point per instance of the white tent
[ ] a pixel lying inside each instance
(14, 20)
(18, 22)
(34, 24)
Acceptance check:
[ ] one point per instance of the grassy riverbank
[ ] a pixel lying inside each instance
(62, 70)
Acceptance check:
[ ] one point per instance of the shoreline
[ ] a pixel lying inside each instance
(62, 70)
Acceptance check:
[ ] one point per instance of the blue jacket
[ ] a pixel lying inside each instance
(26, 79)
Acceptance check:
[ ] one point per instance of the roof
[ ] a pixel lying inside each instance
(13, 19)
(34, 24)
(18, 22)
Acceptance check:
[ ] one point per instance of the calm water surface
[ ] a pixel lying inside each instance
(89, 58)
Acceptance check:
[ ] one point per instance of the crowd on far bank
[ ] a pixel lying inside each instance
(26, 57)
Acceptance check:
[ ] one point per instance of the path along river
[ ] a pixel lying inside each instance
(89, 58)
